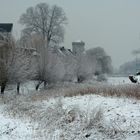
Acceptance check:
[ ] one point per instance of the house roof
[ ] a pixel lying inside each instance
(6, 27)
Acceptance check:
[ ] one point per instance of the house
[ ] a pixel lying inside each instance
(5, 30)
(5, 35)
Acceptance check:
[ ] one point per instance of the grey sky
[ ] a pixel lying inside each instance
(111, 24)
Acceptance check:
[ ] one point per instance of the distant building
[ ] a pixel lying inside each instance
(5, 35)
(5, 30)
(6, 27)
(78, 47)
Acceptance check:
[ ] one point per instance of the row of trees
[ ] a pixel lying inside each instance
(131, 67)
(36, 55)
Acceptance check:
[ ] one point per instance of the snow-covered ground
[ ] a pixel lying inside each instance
(122, 114)
(118, 80)
(120, 119)
(88, 117)
(14, 129)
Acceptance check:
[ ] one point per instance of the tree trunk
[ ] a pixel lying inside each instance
(37, 86)
(3, 85)
(18, 87)
(45, 84)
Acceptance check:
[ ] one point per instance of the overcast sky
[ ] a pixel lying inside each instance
(111, 24)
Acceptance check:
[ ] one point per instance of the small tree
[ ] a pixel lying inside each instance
(20, 68)
(15, 66)
(6, 45)
(54, 69)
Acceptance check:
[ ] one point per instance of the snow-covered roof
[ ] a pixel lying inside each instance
(78, 42)
(65, 51)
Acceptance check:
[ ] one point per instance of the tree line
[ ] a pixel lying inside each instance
(37, 55)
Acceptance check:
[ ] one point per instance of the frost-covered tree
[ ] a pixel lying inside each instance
(101, 61)
(48, 23)
(70, 65)
(14, 65)
(20, 67)
(54, 70)
(84, 68)
(6, 45)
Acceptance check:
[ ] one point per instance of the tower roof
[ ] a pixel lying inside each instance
(78, 42)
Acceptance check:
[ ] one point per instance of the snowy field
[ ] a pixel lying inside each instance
(88, 117)
(118, 80)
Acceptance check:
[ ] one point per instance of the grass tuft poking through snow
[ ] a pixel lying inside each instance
(58, 121)
(54, 120)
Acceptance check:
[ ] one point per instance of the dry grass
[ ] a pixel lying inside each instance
(72, 122)
(129, 91)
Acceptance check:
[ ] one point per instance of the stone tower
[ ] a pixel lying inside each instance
(78, 47)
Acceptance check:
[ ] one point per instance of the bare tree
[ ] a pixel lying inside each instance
(70, 64)
(20, 68)
(84, 68)
(54, 70)
(15, 65)
(99, 57)
(48, 23)
(5, 49)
